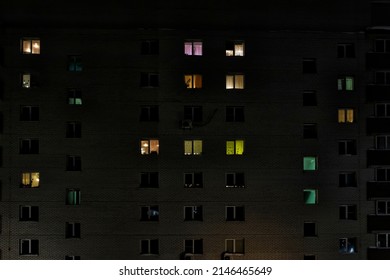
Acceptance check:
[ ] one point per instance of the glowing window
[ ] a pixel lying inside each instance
(345, 83)
(150, 147)
(73, 197)
(193, 81)
(348, 245)
(74, 97)
(192, 147)
(30, 180)
(235, 147)
(346, 115)
(310, 163)
(31, 46)
(310, 196)
(234, 48)
(26, 80)
(193, 48)
(235, 81)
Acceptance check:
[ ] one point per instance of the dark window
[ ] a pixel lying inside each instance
(73, 196)
(382, 174)
(345, 50)
(309, 229)
(74, 63)
(74, 97)
(73, 163)
(347, 212)
(309, 65)
(149, 247)
(235, 180)
(149, 79)
(72, 230)
(193, 246)
(382, 77)
(235, 114)
(382, 110)
(347, 147)
(309, 257)
(28, 213)
(29, 146)
(149, 47)
(309, 130)
(309, 98)
(382, 45)
(193, 180)
(193, 113)
(193, 213)
(348, 245)
(150, 213)
(28, 247)
(149, 114)
(235, 213)
(347, 179)
(29, 113)
(73, 130)
(149, 180)
(72, 257)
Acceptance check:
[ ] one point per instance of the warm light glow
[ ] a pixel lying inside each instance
(149, 147)
(193, 81)
(26, 80)
(192, 147)
(235, 147)
(235, 81)
(30, 180)
(31, 46)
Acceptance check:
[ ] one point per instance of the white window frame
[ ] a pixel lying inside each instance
(29, 253)
(387, 240)
(234, 218)
(387, 207)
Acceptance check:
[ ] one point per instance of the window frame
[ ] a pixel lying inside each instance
(344, 177)
(342, 50)
(344, 83)
(350, 242)
(386, 207)
(74, 97)
(347, 147)
(76, 196)
(234, 243)
(386, 45)
(72, 230)
(193, 183)
(386, 174)
(29, 176)
(150, 47)
(387, 239)
(235, 180)
(309, 229)
(307, 200)
(195, 143)
(193, 81)
(235, 81)
(145, 148)
(29, 113)
(348, 212)
(31, 244)
(29, 146)
(194, 51)
(194, 215)
(75, 63)
(191, 248)
(149, 113)
(32, 213)
(150, 213)
(73, 129)
(150, 246)
(73, 163)
(309, 65)
(193, 113)
(235, 150)
(386, 107)
(152, 179)
(30, 49)
(382, 81)
(150, 80)
(344, 117)
(235, 114)
(231, 48)
(235, 211)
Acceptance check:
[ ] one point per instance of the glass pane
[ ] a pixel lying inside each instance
(26, 80)
(239, 246)
(350, 115)
(229, 245)
(239, 49)
(188, 48)
(197, 147)
(188, 81)
(239, 147)
(144, 147)
(239, 81)
(187, 147)
(340, 84)
(26, 179)
(309, 196)
(382, 240)
(198, 48)
(197, 81)
(36, 46)
(341, 115)
(26, 46)
(230, 147)
(229, 81)
(309, 163)
(154, 146)
(35, 180)
(381, 207)
(349, 83)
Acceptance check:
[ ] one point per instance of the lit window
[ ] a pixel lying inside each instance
(31, 46)
(193, 81)
(149, 47)
(150, 147)
(193, 113)
(149, 180)
(382, 45)
(235, 180)
(309, 131)
(348, 245)
(383, 240)
(345, 50)
(235, 213)
(382, 110)
(235, 147)
(30, 180)
(345, 83)
(74, 63)
(309, 229)
(73, 163)
(26, 80)
(310, 196)
(309, 65)
(382, 77)
(234, 246)
(193, 180)
(383, 207)
(28, 213)
(71, 257)
(73, 130)
(382, 174)
(235, 81)
(234, 48)
(28, 247)
(29, 113)
(149, 79)
(29, 146)
(309, 98)
(193, 213)
(149, 247)
(73, 197)
(74, 97)
(193, 48)
(346, 115)
(347, 179)
(193, 246)
(72, 230)
(347, 147)
(310, 163)
(347, 212)
(150, 213)
(192, 147)
(235, 114)
(149, 113)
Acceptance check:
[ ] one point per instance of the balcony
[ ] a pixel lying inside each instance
(378, 93)
(378, 190)
(378, 223)
(378, 253)
(378, 60)
(378, 125)
(378, 157)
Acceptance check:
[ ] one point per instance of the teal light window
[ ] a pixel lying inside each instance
(73, 196)
(310, 196)
(310, 163)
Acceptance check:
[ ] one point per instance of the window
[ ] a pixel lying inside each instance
(234, 246)
(235, 114)
(150, 213)
(193, 47)
(193, 246)
(345, 83)
(310, 196)
(382, 77)
(382, 45)
(235, 213)
(309, 98)
(149, 247)
(74, 63)
(149, 180)
(68, 257)
(346, 115)
(383, 207)
(150, 147)
(149, 47)
(309, 229)
(149, 79)
(345, 50)
(29, 146)
(73, 197)
(26, 80)
(29, 113)
(193, 81)
(235, 180)
(347, 212)
(30, 180)
(73, 130)
(234, 48)
(235, 81)
(309, 130)
(348, 245)
(72, 230)
(74, 97)
(73, 163)
(28, 247)
(383, 240)
(28, 213)
(31, 46)
(193, 213)
(382, 174)
(235, 147)
(193, 180)
(149, 113)
(193, 113)
(192, 147)
(309, 257)
(309, 66)
(382, 110)
(347, 179)
(382, 142)
(310, 163)
(347, 147)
